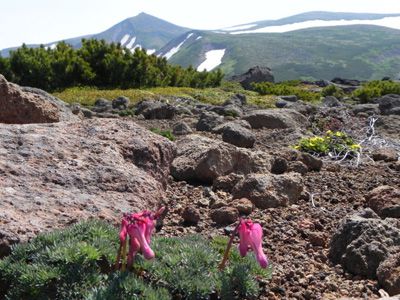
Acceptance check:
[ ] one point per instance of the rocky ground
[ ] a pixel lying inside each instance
(332, 229)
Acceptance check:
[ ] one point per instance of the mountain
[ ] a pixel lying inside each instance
(353, 51)
(314, 45)
(142, 30)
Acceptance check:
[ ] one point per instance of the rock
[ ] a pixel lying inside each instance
(282, 103)
(369, 109)
(275, 119)
(87, 113)
(53, 174)
(232, 110)
(155, 110)
(385, 201)
(201, 159)
(363, 241)
(25, 105)
(209, 120)
(242, 123)
(254, 75)
(191, 215)
(267, 190)
(237, 99)
(317, 239)
(343, 81)
(102, 105)
(389, 103)
(224, 215)
(330, 101)
(227, 183)
(244, 206)
(386, 154)
(181, 128)
(239, 136)
(313, 163)
(388, 274)
(289, 98)
(298, 167)
(120, 103)
(279, 165)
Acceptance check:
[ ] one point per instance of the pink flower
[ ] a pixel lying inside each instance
(251, 237)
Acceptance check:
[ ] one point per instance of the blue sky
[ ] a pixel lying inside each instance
(42, 21)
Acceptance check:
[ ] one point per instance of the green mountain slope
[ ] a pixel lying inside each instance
(364, 52)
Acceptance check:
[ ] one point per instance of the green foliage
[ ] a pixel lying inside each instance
(282, 89)
(99, 64)
(337, 143)
(5, 68)
(76, 263)
(375, 89)
(333, 90)
(165, 133)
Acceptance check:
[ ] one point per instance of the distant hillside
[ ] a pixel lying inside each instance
(143, 31)
(318, 45)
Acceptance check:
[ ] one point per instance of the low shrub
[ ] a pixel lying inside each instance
(333, 90)
(336, 144)
(374, 89)
(282, 89)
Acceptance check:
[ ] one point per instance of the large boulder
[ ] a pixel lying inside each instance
(239, 136)
(275, 119)
(208, 121)
(389, 104)
(269, 190)
(52, 175)
(389, 274)
(254, 75)
(201, 159)
(155, 110)
(363, 241)
(20, 105)
(385, 201)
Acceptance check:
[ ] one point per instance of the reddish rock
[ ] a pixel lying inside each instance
(52, 174)
(317, 239)
(389, 274)
(244, 206)
(385, 154)
(28, 105)
(191, 215)
(385, 201)
(224, 215)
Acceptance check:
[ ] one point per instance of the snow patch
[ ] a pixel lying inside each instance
(240, 27)
(124, 39)
(131, 42)
(213, 60)
(391, 22)
(151, 51)
(199, 37)
(175, 50)
(52, 46)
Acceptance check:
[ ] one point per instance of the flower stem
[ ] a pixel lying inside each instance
(228, 247)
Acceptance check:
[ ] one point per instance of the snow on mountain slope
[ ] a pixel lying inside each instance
(175, 50)
(390, 22)
(124, 39)
(240, 27)
(131, 43)
(213, 60)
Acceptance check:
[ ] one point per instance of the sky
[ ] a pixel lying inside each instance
(44, 21)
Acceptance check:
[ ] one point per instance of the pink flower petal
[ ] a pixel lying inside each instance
(256, 235)
(137, 231)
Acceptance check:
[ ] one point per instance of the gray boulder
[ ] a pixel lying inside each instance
(389, 104)
(389, 275)
(268, 190)
(363, 241)
(275, 119)
(102, 105)
(120, 103)
(237, 99)
(239, 136)
(155, 110)
(242, 123)
(330, 101)
(181, 128)
(369, 109)
(289, 98)
(254, 75)
(209, 120)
